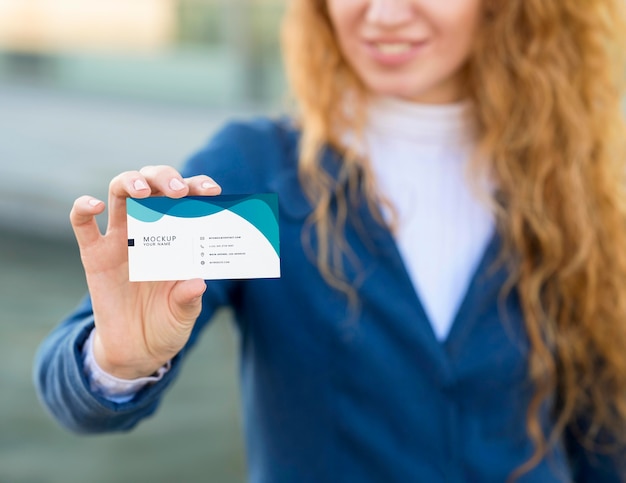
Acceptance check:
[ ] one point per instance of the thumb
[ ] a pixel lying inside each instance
(187, 299)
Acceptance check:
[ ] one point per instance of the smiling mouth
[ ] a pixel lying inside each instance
(393, 48)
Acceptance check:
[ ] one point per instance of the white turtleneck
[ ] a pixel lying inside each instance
(419, 155)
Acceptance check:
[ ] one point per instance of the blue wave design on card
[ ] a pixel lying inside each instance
(261, 210)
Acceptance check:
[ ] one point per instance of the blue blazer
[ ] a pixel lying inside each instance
(337, 393)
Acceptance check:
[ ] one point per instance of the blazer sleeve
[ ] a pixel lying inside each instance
(58, 371)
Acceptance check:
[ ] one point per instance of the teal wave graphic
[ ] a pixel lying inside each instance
(261, 210)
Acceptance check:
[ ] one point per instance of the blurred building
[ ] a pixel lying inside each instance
(208, 52)
(90, 88)
(54, 25)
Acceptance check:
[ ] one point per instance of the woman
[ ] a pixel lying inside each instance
(428, 326)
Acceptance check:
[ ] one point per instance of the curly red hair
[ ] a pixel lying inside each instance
(546, 80)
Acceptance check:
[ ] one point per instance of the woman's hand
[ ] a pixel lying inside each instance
(139, 325)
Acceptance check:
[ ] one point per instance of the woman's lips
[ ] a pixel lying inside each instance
(394, 52)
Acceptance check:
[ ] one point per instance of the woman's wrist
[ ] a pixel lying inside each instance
(127, 372)
(109, 386)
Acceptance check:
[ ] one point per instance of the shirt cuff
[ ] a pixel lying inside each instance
(110, 387)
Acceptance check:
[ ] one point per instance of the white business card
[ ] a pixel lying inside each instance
(209, 237)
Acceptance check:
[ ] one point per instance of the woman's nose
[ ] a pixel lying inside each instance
(389, 12)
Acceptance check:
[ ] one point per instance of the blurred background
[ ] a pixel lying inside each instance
(90, 88)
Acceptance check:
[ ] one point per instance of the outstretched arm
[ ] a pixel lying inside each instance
(139, 327)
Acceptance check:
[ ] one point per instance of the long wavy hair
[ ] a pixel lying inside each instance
(546, 80)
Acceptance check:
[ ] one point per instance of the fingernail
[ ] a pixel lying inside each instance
(94, 202)
(139, 185)
(176, 184)
(208, 184)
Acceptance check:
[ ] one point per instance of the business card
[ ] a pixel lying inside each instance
(209, 237)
